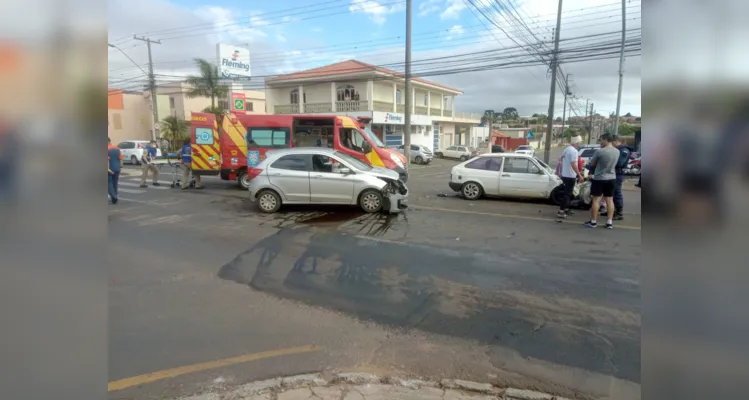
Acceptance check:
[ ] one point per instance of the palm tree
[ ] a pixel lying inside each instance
(217, 111)
(174, 129)
(208, 84)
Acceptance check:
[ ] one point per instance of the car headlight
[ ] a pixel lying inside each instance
(396, 160)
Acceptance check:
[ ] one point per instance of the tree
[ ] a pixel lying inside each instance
(510, 114)
(208, 84)
(174, 129)
(217, 111)
(558, 119)
(628, 114)
(569, 132)
(627, 129)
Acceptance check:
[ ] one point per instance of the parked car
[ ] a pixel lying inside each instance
(419, 154)
(587, 153)
(460, 152)
(314, 175)
(132, 150)
(506, 175)
(526, 149)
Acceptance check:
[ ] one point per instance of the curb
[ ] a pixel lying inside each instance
(276, 386)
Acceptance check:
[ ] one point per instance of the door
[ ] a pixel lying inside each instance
(522, 177)
(486, 171)
(205, 151)
(290, 174)
(352, 143)
(462, 151)
(327, 184)
(451, 152)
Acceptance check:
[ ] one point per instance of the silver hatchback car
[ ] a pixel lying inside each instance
(314, 175)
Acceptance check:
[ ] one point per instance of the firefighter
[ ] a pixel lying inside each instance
(186, 160)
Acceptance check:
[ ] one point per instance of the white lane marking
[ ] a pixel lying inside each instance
(133, 191)
(149, 186)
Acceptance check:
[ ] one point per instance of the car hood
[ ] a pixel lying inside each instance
(381, 172)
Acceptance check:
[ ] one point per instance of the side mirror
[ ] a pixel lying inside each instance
(346, 171)
(366, 147)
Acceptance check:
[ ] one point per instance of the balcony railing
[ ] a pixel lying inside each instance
(435, 112)
(401, 108)
(467, 115)
(287, 109)
(317, 107)
(351, 105)
(421, 110)
(383, 106)
(448, 113)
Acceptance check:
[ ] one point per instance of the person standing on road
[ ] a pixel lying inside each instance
(568, 169)
(621, 165)
(114, 155)
(186, 160)
(604, 180)
(148, 157)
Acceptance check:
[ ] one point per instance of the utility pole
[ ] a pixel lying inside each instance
(550, 125)
(590, 123)
(409, 99)
(621, 66)
(566, 93)
(151, 84)
(587, 105)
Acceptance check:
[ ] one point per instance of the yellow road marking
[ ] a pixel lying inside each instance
(637, 228)
(189, 369)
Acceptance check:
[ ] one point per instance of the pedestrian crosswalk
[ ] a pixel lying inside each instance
(133, 186)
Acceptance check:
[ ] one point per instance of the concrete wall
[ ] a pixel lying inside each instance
(132, 122)
(383, 91)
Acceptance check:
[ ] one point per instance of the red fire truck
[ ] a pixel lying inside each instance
(228, 146)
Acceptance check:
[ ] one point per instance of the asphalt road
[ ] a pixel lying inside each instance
(488, 290)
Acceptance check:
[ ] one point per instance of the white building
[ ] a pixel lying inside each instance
(355, 88)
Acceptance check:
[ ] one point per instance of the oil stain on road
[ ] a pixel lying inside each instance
(500, 300)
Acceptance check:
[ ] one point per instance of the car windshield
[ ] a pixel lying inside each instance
(373, 137)
(354, 162)
(524, 147)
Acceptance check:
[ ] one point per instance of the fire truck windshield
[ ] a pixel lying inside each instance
(373, 137)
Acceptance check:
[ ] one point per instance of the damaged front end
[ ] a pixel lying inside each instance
(395, 196)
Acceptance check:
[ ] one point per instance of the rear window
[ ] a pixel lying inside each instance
(291, 162)
(588, 153)
(277, 138)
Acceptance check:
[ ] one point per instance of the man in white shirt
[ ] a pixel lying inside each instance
(569, 171)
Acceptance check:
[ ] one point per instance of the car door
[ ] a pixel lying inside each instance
(126, 148)
(290, 174)
(485, 170)
(462, 151)
(522, 177)
(451, 152)
(328, 185)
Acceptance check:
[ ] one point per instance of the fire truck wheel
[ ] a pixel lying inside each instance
(243, 180)
(268, 201)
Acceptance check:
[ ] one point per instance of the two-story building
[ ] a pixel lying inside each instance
(359, 89)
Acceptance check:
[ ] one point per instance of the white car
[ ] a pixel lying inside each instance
(587, 153)
(506, 175)
(132, 150)
(460, 152)
(525, 149)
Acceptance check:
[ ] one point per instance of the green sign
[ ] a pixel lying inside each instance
(239, 104)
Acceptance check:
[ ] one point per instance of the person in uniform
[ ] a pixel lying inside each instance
(186, 161)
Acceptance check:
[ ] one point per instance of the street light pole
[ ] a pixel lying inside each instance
(154, 118)
(409, 99)
(550, 124)
(621, 67)
(151, 84)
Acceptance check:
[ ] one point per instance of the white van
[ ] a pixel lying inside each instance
(132, 150)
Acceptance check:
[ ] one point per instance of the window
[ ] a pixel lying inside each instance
(355, 162)
(126, 145)
(461, 148)
(223, 104)
(415, 147)
(291, 162)
(452, 148)
(486, 163)
(352, 139)
(248, 106)
(203, 136)
(117, 121)
(294, 97)
(426, 99)
(520, 166)
(267, 137)
(588, 153)
(322, 164)
(398, 97)
(171, 102)
(347, 93)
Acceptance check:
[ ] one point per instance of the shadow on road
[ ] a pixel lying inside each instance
(507, 301)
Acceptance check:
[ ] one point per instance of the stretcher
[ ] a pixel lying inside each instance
(177, 168)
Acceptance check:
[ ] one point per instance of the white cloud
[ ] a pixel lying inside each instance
(427, 7)
(453, 10)
(454, 31)
(377, 12)
(229, 24)
(281, 38)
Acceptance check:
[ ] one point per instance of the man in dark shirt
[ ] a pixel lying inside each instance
(621, 164)
(114, 155)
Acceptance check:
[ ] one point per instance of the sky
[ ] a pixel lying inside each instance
(290, 35)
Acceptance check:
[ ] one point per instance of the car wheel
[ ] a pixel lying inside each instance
(471, 190)
(463, 158)
(438, 155)
(243, 180)
(134, 160)
(268, 201)
(419, 160)
(370, 201)
(556, 195)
